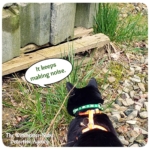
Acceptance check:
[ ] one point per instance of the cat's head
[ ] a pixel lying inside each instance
(83, 96)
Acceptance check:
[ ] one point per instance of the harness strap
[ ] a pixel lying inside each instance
(91, 124)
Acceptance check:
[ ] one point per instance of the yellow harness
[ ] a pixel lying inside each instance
(91, 124)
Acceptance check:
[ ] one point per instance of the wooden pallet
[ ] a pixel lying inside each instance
(24, 61)
(78, 33)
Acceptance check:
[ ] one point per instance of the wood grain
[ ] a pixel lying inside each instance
(26, 60)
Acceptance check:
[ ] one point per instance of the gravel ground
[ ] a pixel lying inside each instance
(129, 111)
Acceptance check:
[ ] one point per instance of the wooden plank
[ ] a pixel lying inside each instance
(78, 32)
(26, 60)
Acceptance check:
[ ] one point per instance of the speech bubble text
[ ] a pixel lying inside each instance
(48, 71)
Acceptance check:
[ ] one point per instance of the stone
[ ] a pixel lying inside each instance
(130, 87)
(10, 33)
(136, 97)
(131, 122)
(137, 77)
(127, 95)
(134, 145)
(62, 22)
(131, 106)
(119, 102)
(140, 130)
(139, 103)
(123, 141)
(113, 118)
(127, 83)
(114, 124)
(134, 79)
(117, 115)
(122, 108)
(123, 96)
(131, 140)
(132, 69)
(114, 112)
(131, 72)
(135, 87)
(105, 70)
(107, 110)
(133, 133)
(128, 111)
(119, 91)
(138, 9)
(111, 79)
(145, 95)
(122, 115)
(124, 15)
(122, 129)
(140, 93)
(105, 86)
(116, 106)
(124, 103)
(34, 23)
(143, 114)
(121, 82)
(138, 107)
(131, 93)
(142, 100)
(132, 115)
(142, 60)
(146, 105)
(145, 11)
(129, 101)
(140, 138)
(126, 90)
(85, 13)
(138, 69)
(146, 61)
(141, 86)
(143, 80)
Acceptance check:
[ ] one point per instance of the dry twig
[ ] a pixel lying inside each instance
(52, 122)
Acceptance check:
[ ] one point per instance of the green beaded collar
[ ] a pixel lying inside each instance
(89, 106)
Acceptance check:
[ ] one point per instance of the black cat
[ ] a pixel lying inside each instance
(90, 127)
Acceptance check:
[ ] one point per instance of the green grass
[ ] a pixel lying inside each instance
(120, 30)
(106, 20)
(41, 105)
(45, 108)
(131, 29)
(79, 73)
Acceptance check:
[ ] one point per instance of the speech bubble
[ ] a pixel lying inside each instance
(48, 71)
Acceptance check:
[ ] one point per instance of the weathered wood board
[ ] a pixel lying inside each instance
(78, 32)
(26, 60)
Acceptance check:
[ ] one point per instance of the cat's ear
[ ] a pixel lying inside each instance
(93, 82)
(69, 86)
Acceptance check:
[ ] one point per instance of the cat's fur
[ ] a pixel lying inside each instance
(95, 137)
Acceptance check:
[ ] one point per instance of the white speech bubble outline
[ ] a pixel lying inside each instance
(51, 74)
